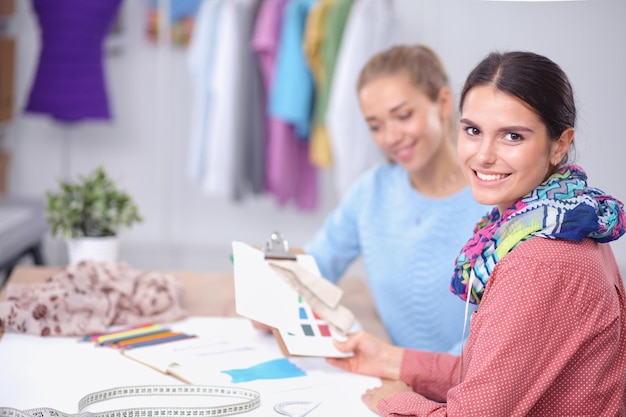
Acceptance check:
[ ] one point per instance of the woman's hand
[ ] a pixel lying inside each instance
(387, 389)
(372, 356)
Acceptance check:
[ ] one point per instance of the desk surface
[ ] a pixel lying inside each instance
(56, 372)
(213, 294)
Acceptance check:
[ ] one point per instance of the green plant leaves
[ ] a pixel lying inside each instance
(93, 206)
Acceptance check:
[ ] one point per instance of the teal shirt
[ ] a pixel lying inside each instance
(408, 243)
(291, 97)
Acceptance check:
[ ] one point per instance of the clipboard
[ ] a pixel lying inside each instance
(278, 248)
(261, 294)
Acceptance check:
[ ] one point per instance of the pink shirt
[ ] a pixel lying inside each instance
(289, 174)
(549, 339)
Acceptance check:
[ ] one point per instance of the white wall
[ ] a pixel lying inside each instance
(145, 146)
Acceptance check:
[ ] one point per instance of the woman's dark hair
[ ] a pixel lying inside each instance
(532, 78)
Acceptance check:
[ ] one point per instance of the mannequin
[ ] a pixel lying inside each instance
(69, 83)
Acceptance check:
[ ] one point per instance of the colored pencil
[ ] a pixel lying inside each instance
(164, 340)
(132, 336)
(143, 338)
(129, 332)
(94, 337)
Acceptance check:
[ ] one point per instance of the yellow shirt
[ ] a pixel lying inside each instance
(319, 144)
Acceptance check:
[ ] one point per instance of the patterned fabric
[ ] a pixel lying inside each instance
(562, 207)
(88, 298)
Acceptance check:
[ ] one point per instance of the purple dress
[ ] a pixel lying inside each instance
(288, 170)
(69, 84)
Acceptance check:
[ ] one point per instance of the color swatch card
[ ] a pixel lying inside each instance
(262, 295)
(311, 337)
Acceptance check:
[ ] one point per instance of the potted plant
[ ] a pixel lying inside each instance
(89, 214)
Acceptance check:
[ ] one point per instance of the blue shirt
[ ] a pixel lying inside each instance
(409, 243)
(291, 95)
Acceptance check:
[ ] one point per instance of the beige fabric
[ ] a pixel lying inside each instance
(322, 295)
(88, 298)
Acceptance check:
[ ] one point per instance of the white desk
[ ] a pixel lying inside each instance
(57, 372)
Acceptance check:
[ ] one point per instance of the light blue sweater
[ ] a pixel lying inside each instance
(409, 243)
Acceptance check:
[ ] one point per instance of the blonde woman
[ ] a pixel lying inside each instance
(407, 218)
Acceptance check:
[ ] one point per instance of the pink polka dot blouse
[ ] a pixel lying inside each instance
(548, 339)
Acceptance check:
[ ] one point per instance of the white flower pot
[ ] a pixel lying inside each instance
(98, 249)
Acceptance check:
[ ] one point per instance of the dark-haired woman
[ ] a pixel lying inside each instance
(549, 335)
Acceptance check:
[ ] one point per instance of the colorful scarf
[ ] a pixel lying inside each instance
(562, 207)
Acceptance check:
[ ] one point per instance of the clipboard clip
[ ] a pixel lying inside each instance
(278, 248)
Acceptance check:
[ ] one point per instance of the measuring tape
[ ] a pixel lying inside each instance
(250, 400)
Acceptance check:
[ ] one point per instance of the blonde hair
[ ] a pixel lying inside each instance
(420, 63)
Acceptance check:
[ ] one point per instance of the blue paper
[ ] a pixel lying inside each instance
(274, 369)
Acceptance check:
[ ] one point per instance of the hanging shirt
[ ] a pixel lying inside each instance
(334, 24)
(314, 36)
(315, 33)
(69, 84)
(291, 97)
(289, 174)
(222, 137)
(230, 143)
(201, 62)
(368, 30)
(231, 131)
(251, 159)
